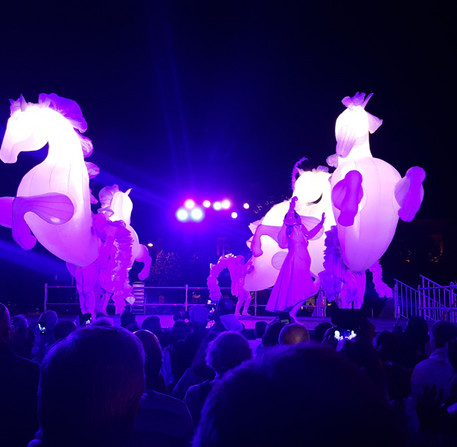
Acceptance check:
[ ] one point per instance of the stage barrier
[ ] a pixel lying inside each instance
(430, 300)
(162, 300)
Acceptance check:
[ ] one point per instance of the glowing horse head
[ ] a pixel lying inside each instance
(31, 126)
(117, 205)
(353, 126)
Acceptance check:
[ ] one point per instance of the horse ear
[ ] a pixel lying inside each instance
(373, 122)
(128, 191)
(365, 102)
(23, 103)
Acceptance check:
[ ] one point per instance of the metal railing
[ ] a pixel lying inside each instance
(154, 297)
(160, 299)
(430, 300)
(439, 301)
(406, 300)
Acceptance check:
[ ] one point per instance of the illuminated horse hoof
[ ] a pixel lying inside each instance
(346, 196)
(55, 209)
(409, 193)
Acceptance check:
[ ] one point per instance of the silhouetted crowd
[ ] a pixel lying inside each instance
(207, 381)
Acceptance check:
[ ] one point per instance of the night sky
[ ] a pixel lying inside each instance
(215, 99)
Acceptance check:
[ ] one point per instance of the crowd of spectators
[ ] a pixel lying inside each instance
(207, 381)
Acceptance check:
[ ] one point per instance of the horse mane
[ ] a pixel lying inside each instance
(66, 107)
(106, 196)
(73, 113)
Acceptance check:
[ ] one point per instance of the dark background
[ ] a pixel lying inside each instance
(215, 99)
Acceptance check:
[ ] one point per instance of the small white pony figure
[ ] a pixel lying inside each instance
(53, 199)
(118, 206)
(368, 194)
(108, 276)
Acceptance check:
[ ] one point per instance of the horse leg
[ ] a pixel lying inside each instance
(238, 307)
(53, 208)
(247, 302)
(143, 256)
(87, 285)
(409, 193)
(346, 196)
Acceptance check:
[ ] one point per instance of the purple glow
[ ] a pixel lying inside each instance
(197, 214)
(182, 214)
(226, 204)
(189, 204)
(206, 203)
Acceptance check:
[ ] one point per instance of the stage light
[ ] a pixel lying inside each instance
(206, 203)
(226, 204)
(197, 214)
(189, 204)
(246, 206)
(217, 206)
(150, 244)
(182, 215)
(234, 215)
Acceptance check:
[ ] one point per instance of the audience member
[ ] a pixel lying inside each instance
(174, 364)
(397, 376)
(271, 336)
(22, 337)
(198, 372)
(293, 333)
(102, 322)
(436, 370)
(260, 328)
(128, 319)
(186, 349)
(265, 402)
(227, 351)
(152, 361)
(162, 421)
(320, 330)
(18, 388)
(63, 329)
(362, 352)
(90, 389)
(45, 329)
(415, 342)
(224, 317)
(153, 324)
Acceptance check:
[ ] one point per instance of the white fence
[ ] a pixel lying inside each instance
(430, 300)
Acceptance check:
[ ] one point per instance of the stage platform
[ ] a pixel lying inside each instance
(249, 321)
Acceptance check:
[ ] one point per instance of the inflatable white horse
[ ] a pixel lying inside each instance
(54, 200)
(368, 197)
(368, 194)
(312, 188)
